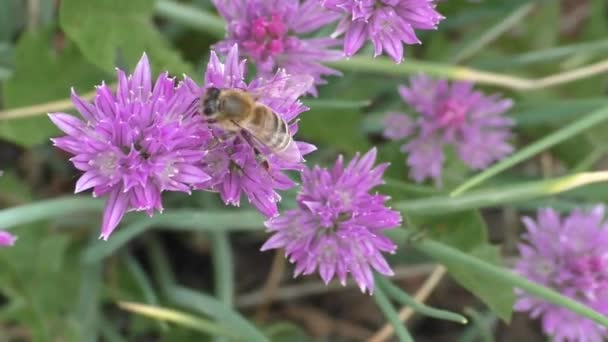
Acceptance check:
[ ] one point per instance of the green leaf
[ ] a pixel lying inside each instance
(488, 273)
(347, 136)
(498, 295)
(40, 276)
(43, 74)
(115, 33)
(12, 15)
(465, 231)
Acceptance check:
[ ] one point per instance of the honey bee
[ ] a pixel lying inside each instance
(237, 110)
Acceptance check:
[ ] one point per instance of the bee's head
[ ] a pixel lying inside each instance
(210, 102)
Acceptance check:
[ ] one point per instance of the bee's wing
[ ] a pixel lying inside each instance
(283, 89)
(291, 154)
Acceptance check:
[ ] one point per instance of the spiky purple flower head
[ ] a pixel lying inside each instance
(450, 114)
(389, 24)
(337, 227)
(7, 239)
(570, 256)
(136, 143)
(233, 163)
(270, 33)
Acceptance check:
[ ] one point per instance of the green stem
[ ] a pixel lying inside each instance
(546, 55)
(389, 311)
(441, 251)
(336, 104)
(487, 37)
(191, 16)
(592, 119)
(481, 326)
(47, 209)
(401, 296)
(142, 280)
(507, 194)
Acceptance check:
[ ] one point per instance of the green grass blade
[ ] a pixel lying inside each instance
(481, 326)
(488, 36)
(143, 282)
(391, 314)
(402, 297)
(197, 301)
(443, 253)
(183, 220)
(335, 104)
(179, 318)
(555, 112)
(89, 303)
(592, 119)
(210, 306)
(192, 17)
(47, 209)
(510, 194)
(546, 55)
(223, 267)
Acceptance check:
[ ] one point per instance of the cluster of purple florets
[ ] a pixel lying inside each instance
(148, 136)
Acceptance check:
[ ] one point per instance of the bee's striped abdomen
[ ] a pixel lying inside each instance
(271, 129)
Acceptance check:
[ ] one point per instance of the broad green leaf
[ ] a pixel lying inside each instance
(498, 295)
(39, 276)
(43, 74)
(480, 264)
(12, 15)
(337, 128)
(115, 33)
(465, 231)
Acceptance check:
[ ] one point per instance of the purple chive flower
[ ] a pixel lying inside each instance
(338, 225)
(570, 256)
(269, 32)
(387, 23)
(136, 143)
(232, 162)
(7, 239)
(450, 114)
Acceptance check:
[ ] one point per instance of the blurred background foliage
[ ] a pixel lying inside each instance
(198, 265)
